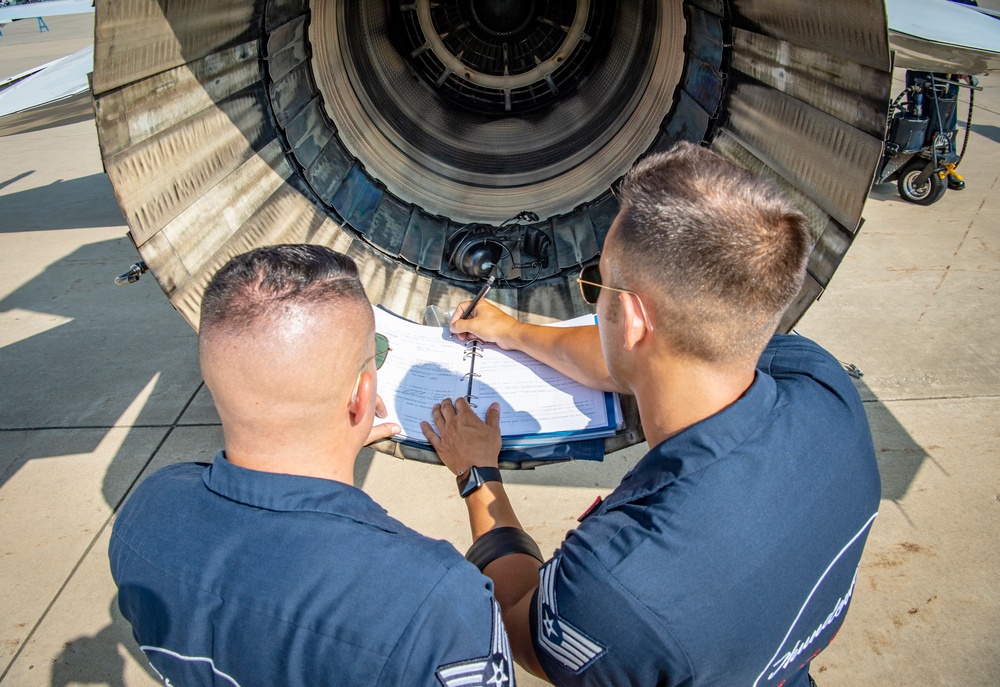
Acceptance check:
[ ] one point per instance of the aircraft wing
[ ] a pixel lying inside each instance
(55, 93)
(943, 36)
(45, 9)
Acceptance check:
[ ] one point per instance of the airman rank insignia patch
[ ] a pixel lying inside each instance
(495, 670)
(565, 643)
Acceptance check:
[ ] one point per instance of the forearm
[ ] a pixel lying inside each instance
(490, 508)
(574, 351)
(514, 576)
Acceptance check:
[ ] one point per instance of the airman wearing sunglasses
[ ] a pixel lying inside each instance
(268, 567)
(728, 554)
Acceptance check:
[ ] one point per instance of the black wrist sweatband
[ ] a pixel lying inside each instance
(499, 542)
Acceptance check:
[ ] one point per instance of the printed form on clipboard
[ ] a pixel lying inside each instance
(539, 406)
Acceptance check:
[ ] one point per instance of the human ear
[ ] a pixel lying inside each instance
(363, 399)
(633, 319)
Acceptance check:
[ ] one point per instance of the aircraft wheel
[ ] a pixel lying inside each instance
(927, 193)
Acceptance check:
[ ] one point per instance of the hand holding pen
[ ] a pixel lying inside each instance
(482, 293)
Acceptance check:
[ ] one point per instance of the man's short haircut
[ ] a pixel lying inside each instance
(253, 288)
(720, 251)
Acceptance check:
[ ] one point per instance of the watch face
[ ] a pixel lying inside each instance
(469, 481)
(475, 477)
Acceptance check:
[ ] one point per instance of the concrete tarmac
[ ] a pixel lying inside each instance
(99, 385)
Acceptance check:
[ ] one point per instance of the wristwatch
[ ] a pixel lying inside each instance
(473, 478)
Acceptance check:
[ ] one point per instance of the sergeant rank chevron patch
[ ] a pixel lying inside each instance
(495, 670)
(565, 643)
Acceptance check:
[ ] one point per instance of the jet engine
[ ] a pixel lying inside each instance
(430, 140)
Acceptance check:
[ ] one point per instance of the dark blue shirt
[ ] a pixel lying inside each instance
(236, 577)
(728, 555)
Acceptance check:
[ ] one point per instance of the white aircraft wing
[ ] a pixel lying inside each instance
(45, 9)
(55, 93)
(943, 36)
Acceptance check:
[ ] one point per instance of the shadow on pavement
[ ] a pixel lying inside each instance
(72, 204)
(899, 456)
(95, 660)
(89, 350)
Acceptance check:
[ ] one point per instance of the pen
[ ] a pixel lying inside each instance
(482, 292)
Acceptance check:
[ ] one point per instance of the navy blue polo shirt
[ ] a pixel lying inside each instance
(728, 555)
(231, 576)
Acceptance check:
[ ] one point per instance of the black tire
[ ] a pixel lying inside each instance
(928, 193)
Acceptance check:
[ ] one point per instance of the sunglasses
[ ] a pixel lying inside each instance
(590, 288)
(381, 353)
(381, 350)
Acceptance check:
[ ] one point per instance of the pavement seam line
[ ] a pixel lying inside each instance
(100, 533)
(978, 397)
(110, 427)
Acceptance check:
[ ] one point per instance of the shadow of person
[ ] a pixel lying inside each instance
(78, 203)
(80, 353)
(899, 456)
(97, 660)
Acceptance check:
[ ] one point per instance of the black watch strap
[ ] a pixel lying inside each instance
(473, 478)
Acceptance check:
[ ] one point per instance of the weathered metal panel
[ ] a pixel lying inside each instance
(166, 99)
(830, 161)
(292, 93)
(166, 266)
(602, 213)
(286, 47)
(423, 242)
(112, 123)
(811, 290)
(132, 40)
(576, 243)
(689, 123)
(135, 39)
(280, 11)
(717, 7)
(308, 132)
(329, 170)
(226, 206)
(852, 92)
(284, 217)
(399, 288)
(388, 225)
(828, 252)
(163, 175)
(855, 30)
(703, 83)
(561, 298)
(705, 37)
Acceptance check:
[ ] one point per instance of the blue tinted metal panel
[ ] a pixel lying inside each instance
(280, 11)
(705, 37)
(388, 226)
(329, 170)
(689, 122)
(286, 48)
(357, 199)
(308, 132)
(424, 240)
(703, 83)
(602, 213)
(575, 240)
(290, 94)
(716, 7)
